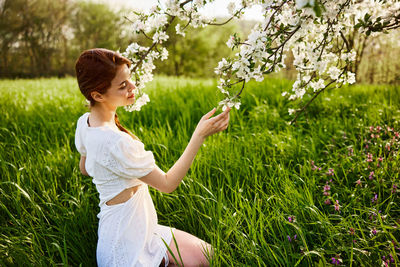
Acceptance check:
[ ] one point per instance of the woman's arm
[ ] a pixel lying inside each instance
(82, 166)
(168, 182)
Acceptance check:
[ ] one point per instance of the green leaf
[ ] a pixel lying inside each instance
(366, 17)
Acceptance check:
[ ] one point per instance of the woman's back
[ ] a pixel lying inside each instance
(113, 158)
(128, 232)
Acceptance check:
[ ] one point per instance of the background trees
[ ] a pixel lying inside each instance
(42, 38)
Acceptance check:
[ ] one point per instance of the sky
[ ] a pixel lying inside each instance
(215, 9)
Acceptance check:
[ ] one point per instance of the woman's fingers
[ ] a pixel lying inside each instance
(208, 126)
(209, 114)
(223, 123)
(220, 116)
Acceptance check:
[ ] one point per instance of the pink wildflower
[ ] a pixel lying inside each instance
(337, 207)
(358, 182)
(371, 175)
(394, 189)
(351, 231)
(350, 152)
(369, 157)
(330, 172)
(326, 189)
(387, 146)
(313, 166)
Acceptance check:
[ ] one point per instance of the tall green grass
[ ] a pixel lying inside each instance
(243, 185)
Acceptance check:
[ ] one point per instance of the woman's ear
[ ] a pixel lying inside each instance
(97, 96)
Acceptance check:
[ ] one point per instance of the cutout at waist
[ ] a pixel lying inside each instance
(123, 196)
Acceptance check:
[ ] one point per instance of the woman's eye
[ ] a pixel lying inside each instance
(124, 85)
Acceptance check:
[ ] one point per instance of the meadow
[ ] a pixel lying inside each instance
(323, 192)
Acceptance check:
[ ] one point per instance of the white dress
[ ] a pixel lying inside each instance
(128, 233)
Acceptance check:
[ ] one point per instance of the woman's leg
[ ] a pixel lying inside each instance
(193, 250)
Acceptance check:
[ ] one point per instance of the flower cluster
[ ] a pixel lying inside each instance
(316, 35)
(315, 32)
(153, 25)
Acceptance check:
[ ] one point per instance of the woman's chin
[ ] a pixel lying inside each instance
(130, 101)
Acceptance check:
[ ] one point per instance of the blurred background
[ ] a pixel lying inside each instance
(43, 38)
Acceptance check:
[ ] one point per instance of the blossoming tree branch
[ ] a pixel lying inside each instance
(317, 32)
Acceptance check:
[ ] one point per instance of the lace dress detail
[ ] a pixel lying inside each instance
(128, 233)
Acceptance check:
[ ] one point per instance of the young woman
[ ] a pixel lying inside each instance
(129, 233)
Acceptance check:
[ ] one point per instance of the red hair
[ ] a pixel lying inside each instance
(95, 68)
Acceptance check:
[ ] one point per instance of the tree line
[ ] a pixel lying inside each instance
(43, 38)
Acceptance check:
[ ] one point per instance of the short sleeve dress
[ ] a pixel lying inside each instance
(128, 233)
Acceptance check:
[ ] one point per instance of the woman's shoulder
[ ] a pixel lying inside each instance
(82, 120)
(105, 135)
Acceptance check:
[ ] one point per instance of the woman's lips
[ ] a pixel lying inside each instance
(131, 96)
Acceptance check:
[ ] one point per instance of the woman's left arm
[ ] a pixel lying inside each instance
(82, 166)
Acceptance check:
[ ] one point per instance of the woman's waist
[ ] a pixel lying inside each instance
(134, 201)
(117, 190)
(123, 196)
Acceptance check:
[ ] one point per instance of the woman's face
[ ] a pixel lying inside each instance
(120, 92)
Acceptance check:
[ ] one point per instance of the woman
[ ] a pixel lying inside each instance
(128, 233)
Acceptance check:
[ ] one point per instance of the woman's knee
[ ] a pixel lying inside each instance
(206, 250)
(193, 250)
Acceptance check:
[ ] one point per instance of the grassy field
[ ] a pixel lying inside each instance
(263, 193)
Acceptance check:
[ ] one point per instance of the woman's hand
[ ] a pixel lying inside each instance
(168, 182)
(208, 126)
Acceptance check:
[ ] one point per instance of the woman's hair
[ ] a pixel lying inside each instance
(95, 68)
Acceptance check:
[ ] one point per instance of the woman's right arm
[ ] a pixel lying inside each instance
(82, 165)
(168, 182)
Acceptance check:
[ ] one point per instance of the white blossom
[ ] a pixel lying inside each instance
(302, 3)
(230, 42)
(179, 30)
(333, 72)
(351, 77)
(229, 102)
(141, 101)
(231, 8)
(317, 85)
(160, 36)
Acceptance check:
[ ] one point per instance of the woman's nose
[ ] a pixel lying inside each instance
(132, 85)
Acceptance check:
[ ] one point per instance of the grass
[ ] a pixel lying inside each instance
(241, 189)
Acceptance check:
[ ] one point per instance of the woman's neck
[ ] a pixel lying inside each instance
(100, 117)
